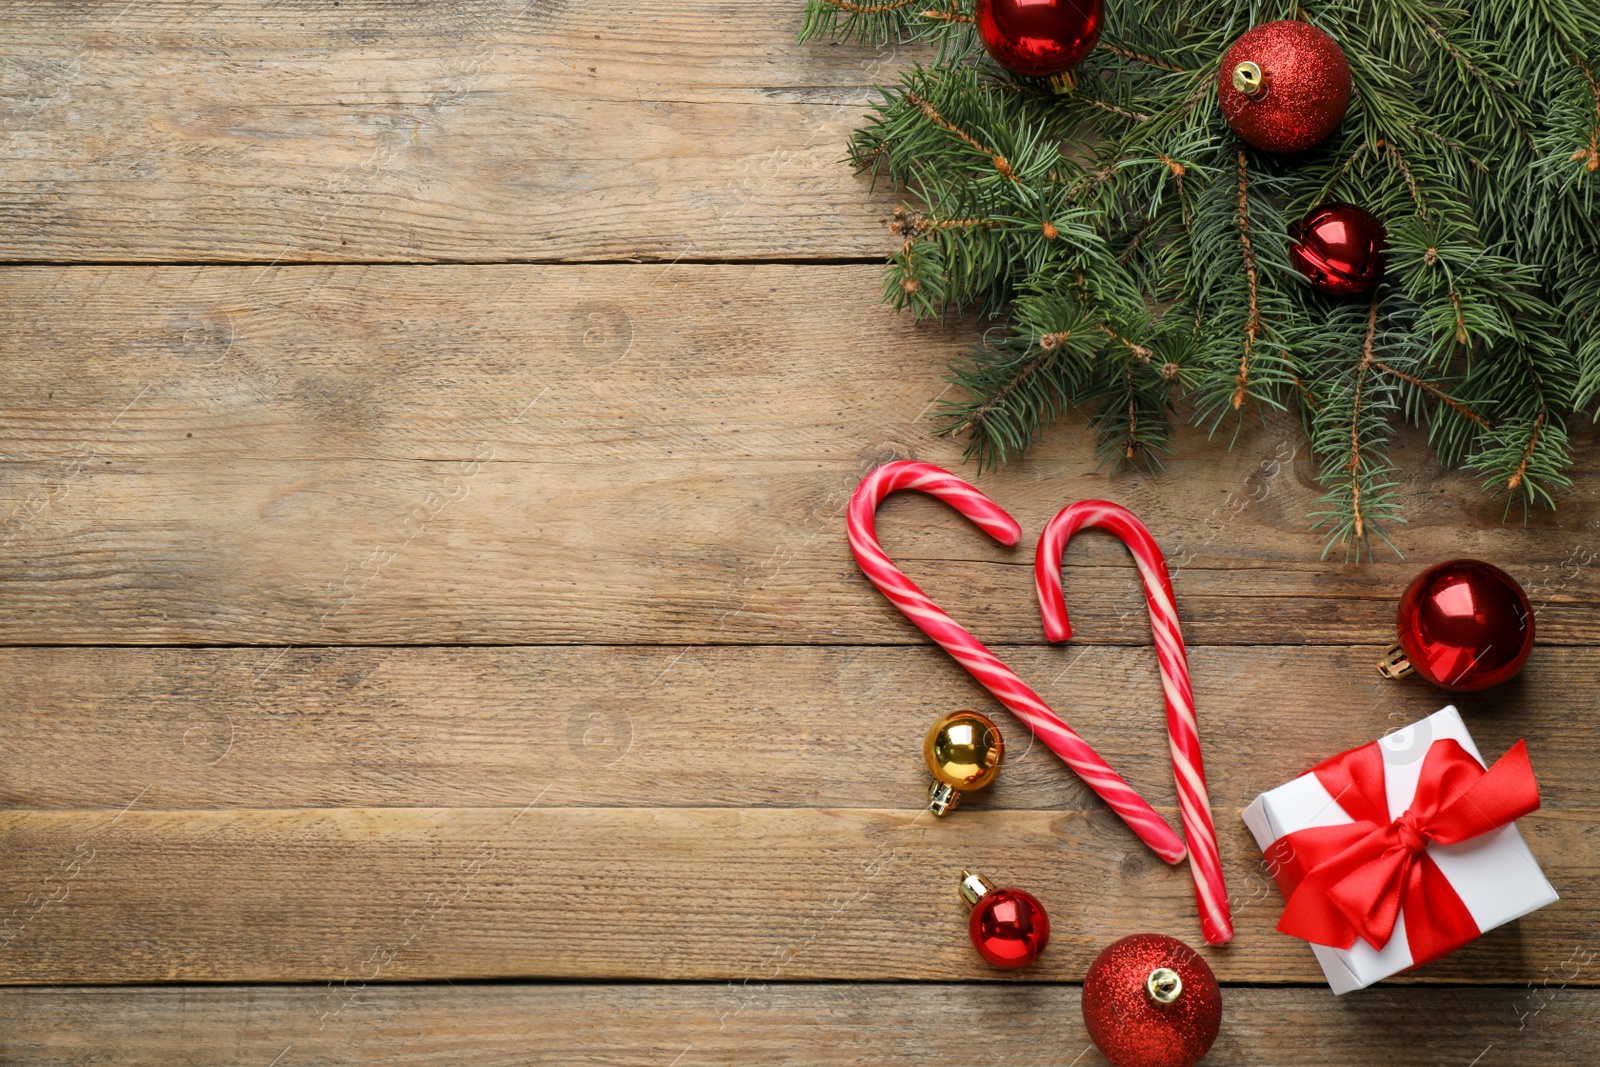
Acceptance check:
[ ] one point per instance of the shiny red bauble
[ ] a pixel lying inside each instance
(1284, 86)
(1150, 1001)
(1039, 38)
(1009, 927)
(1339, 248)
(1465, 625)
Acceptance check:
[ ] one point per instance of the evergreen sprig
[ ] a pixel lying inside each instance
(1137, 251)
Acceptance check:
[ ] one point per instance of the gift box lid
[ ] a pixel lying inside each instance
(1495, 874)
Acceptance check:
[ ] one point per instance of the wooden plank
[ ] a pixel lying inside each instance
(399, 894)
(414, 455)
(822, 1025)
(197, 729)
(483, 130)
(583, 364)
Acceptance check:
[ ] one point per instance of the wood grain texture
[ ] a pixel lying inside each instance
(397, 894)
(483, 130)
(419, 455)
(822, 1025)
(736, 727)
(699, 764)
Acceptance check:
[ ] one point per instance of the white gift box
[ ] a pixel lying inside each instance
(1494, 874)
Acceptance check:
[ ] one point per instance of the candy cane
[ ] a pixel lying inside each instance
(1210, 890)
(971, 653)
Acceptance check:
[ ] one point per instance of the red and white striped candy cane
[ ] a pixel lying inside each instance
(971, 653)
(1183, 734)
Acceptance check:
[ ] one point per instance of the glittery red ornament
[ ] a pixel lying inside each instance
(1340, 249)
(1284, 86)
(1008, 927)
(1039, 38)
(1464, 625)
(1150, 1001)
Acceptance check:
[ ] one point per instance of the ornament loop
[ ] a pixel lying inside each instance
(1394, 663)
(974, 887)
(1249, 79)
(1164, 985)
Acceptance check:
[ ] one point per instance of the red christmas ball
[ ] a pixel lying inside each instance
(1340, 249)
(1284, 86)
(1039, 38)
(1465, 625)
(1150, 1001)
(1009, 928)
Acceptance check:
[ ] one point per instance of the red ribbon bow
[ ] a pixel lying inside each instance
(1351, 880)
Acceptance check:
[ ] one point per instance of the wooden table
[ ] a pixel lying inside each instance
(430, 636)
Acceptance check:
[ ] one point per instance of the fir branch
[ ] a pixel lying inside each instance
(1339, 172)
(1131, 421)
(869, 9)
(1140, 262)
(1354, 466)
(1411, 182)
(1533, 442)
(1130, 446)
(1592, 153)
(885, 22)
(1435, 392)
(1459, 331)
(1001, 164)
(1432, 30)
(1253, 323)
(1136, 350)
(1139, 57)
(1458, 148)
(1306, 394)
(1494, 90)
(917, 223)
(1089, 181)
(1134, 116)
(1138, 238)
(975, 418)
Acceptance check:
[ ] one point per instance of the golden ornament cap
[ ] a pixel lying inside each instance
(963, 751)
(1249, 79)
(1164, 985)
(974, 887)
(1394, 663)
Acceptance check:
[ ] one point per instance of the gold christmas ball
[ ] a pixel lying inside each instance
(963, 750)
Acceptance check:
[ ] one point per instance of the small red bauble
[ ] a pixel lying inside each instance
(1039, 38)
(1339, 248)
(1150, 1001)
(1464, 625)
(1284, 86)
(1008, 927)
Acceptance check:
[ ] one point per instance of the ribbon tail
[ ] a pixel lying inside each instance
(1437, 920)
(1503, 794)
(1311, 916)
